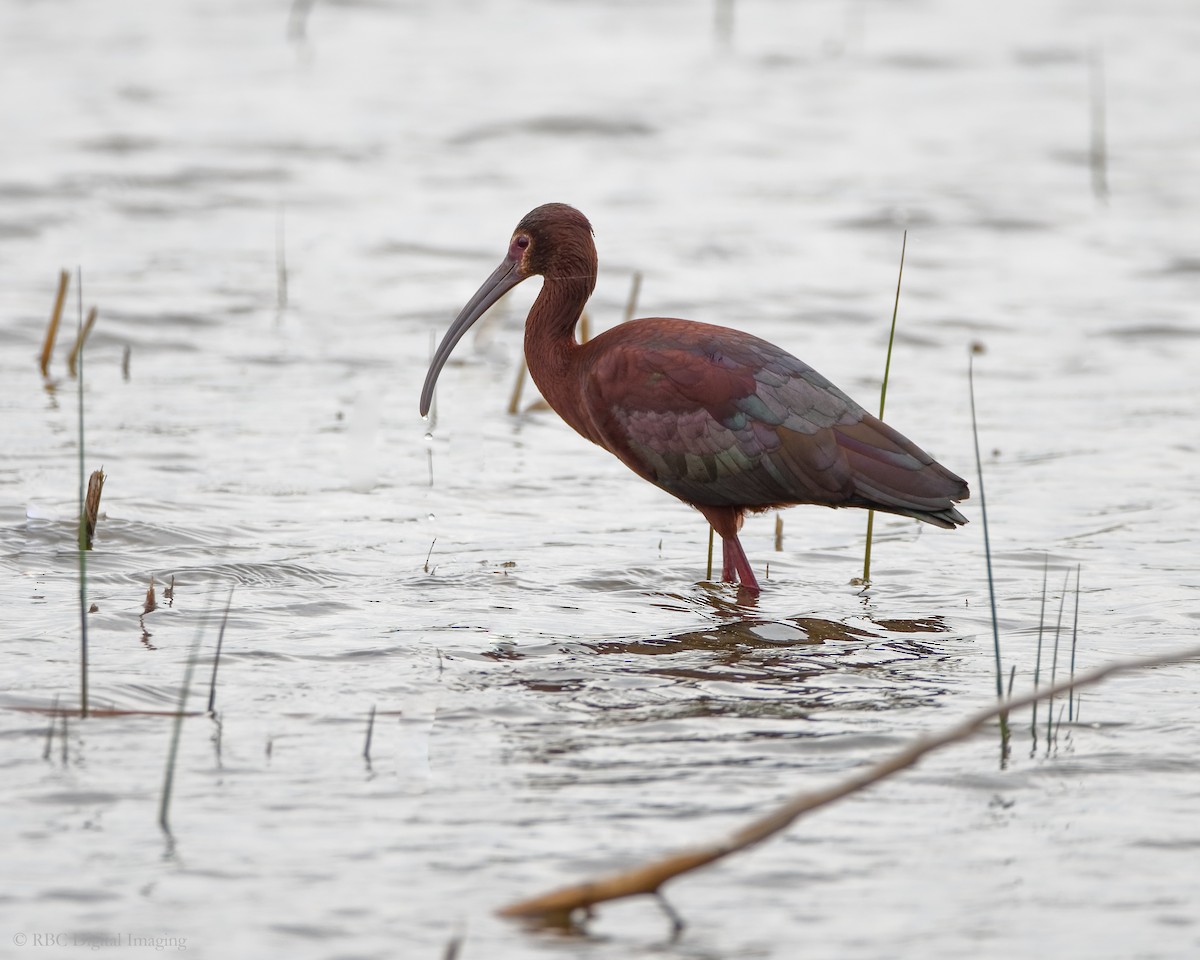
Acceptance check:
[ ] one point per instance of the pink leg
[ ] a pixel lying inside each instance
(726, 521)
(735, 566)
(728, 562)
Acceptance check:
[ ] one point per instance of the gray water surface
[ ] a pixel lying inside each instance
(558, 691)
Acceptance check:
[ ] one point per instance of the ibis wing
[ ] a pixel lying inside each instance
(718, 417)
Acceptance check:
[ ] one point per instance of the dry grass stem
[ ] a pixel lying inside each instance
(64, 280)
(778, 533)
(557, 906)
(80, 338)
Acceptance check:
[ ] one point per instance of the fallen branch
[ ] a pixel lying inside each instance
(557, 906)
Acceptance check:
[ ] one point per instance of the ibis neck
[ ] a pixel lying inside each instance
(551, 349)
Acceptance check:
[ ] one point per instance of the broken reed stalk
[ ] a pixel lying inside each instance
(80, 337)
(212, 683)
(708, 572)
(64, 280)
(84, 535)
(987, 546)
(91, 509)
(778, 533)
(164, 807)
(150, 604)
(887, 368)
(557, 906)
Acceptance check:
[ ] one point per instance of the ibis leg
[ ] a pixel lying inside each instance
(736, 566)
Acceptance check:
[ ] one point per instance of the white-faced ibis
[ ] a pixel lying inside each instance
(720, 419)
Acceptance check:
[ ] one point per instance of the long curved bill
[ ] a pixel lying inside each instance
(503, 278)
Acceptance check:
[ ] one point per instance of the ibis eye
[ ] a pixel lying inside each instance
(522, 242)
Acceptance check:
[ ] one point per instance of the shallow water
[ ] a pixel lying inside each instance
(558, 691)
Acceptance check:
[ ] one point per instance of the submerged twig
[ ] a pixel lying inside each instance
(558, 905)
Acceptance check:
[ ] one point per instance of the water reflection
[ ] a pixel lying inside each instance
(781, 669)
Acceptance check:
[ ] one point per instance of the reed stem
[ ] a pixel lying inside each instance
(887, 368)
